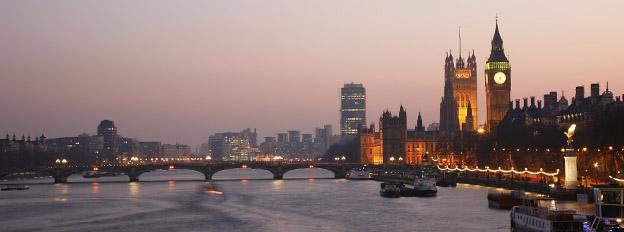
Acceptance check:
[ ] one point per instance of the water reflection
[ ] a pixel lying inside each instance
(171, 184)
(133, 188)
(95, 187)
(278, 184)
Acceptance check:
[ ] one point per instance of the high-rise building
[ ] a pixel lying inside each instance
(294, 136)
(497, 82)
(229, 146)
(352, 109)
(108, 131)
(282, 137)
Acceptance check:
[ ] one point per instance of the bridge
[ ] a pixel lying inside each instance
(61, 172)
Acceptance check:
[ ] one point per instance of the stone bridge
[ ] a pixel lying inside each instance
(60, 173)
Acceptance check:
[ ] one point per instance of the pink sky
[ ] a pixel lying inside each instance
(178, 71)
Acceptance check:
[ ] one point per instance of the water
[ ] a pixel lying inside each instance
(171, 201)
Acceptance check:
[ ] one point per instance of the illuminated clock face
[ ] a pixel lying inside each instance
(500, 78)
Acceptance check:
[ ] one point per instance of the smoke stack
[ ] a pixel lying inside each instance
(532, 101)
(517, 103)
(595, 90)
(580, 93)
(539, 104)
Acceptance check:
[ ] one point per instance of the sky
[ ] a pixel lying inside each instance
(179, 71)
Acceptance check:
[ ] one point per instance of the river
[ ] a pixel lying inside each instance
(303, 201)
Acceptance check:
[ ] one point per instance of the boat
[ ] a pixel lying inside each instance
(446, 182)
(91, 174)
(425, 187)
(390, 190)
(359, 174)
(505, 200)
(11, 187)
(106, 174)
(539, 214)
(609, 209)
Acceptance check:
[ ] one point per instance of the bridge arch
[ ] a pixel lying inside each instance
(252, 170)
(319, 170)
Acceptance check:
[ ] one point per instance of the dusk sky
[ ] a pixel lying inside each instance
(179, 71)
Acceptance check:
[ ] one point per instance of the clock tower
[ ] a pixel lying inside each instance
(497, 83)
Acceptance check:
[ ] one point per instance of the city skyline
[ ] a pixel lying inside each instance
(173, 95)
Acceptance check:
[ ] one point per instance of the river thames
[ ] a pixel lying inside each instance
(178, 201)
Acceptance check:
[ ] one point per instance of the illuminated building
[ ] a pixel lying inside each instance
(394, 143)
(460, 91)
(497, 82)
(352, 109)
(229, 146)
(175, 150)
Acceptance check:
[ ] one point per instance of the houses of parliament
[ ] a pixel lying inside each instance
(395, 143)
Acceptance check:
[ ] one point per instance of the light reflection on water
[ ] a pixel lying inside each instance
(133, 189)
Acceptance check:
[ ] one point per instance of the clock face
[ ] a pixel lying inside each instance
(500, 78)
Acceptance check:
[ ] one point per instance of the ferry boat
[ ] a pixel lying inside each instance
(11, 187)
(390, 190)
(609, 209)
(425, 187)
(505, 200)
(91, 174)
(539, 214)
(359, 174)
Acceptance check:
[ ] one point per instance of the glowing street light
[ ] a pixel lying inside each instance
(208, 157)
(343, 158)
(58, 161)
(391, 158)
(64, 161)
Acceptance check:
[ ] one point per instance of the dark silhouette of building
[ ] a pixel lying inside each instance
(108, 131)
(393, 134)
(352, 109)
(497, 82)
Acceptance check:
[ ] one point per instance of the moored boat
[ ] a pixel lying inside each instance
(505, 200)
(91, 174)
(609, 208)
(538, 214)
(359, 174)
(390, 190)
(425, 187)
(11, 187)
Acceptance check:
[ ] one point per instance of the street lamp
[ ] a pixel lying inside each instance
(343, 158)
(208, 157)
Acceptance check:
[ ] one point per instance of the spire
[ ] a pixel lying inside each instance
(497, 54)
(460, 50)
(469, 110)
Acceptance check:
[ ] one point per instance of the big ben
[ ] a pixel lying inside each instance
(497, 82)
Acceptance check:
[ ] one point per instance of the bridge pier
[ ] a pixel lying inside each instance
(60, 179)
(134, 179)
(207, 176)
(278, 176)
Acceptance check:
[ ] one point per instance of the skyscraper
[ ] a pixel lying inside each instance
(497, 82)
(352, 109)
(108, 131)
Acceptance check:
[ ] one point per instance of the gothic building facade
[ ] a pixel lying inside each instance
(497, 82)
(394, 143)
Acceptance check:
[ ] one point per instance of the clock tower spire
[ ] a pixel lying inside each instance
(497, 82)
